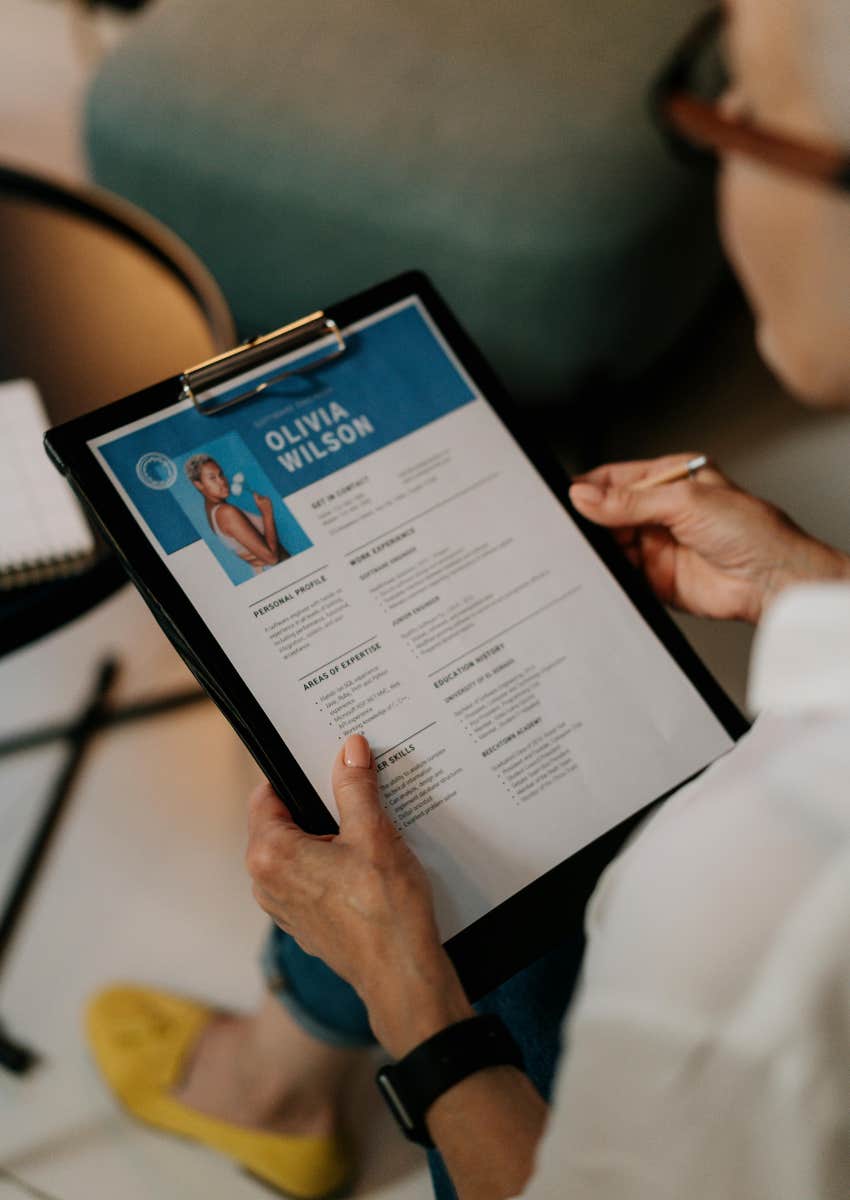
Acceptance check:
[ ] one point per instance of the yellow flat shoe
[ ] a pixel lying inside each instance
(141, 1040)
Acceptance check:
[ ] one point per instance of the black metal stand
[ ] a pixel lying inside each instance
(32, 739)
(13, 1056)
(79, 733)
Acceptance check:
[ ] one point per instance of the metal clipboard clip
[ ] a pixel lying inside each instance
(209, 375)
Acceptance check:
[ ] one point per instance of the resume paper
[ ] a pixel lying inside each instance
(375, 553)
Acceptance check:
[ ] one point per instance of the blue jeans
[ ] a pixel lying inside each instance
(531, 1004)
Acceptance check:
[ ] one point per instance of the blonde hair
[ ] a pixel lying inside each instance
(192, 466)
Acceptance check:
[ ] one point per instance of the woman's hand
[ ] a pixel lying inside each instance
(264, 505)
(705, 545)
(360, 901)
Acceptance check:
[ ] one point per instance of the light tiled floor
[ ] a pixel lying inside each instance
(146, 880)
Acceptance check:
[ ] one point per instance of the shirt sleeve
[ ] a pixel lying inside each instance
(701, 1058)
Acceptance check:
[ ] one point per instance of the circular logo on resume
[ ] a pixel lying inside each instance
(156, 470)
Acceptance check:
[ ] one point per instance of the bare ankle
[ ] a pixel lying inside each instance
(265, 1072)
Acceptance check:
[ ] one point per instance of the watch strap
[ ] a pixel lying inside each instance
(415, 1082)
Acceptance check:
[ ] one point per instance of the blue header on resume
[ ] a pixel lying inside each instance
(393, 378)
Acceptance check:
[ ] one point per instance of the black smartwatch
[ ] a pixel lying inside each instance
(411, 1085)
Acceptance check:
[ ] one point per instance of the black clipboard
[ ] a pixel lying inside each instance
(535, 919)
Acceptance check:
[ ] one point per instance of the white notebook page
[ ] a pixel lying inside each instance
(40, 519)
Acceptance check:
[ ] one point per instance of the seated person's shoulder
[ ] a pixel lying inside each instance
(230, 518)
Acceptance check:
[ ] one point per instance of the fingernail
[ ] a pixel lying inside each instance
(585, 493)
(356, 752)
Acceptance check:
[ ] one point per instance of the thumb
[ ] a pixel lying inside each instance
(355, 787)
(665, 505)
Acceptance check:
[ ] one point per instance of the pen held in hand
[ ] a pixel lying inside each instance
(689, 468)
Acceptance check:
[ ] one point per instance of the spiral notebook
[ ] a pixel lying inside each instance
(43, 533)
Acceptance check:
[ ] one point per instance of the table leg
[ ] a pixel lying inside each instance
(14, 1057)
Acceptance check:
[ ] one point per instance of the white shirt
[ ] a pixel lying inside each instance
(707, 1056)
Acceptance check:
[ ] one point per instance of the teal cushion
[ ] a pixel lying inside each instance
(308, 150)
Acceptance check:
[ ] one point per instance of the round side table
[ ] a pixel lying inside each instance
(97, 300)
